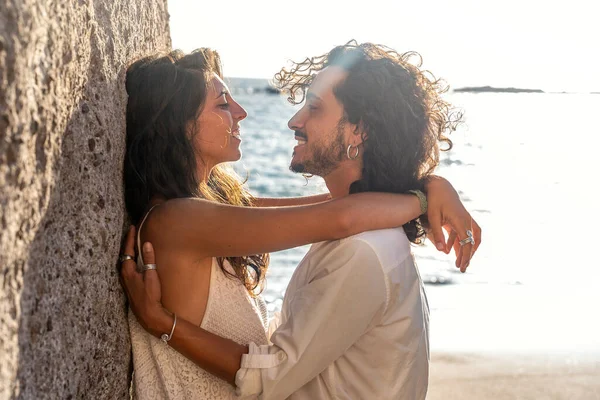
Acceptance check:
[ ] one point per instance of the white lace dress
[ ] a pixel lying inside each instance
(160, 372)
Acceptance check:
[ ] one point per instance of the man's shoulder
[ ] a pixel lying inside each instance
(391, 245)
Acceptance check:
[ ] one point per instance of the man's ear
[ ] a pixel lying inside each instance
(360, 133)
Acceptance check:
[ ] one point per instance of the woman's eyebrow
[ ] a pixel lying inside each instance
(223, 93)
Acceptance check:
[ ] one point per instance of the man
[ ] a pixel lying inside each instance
(354, 320)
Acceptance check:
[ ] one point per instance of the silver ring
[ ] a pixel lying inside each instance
(147, 267)
(468, 239)
(125, 257)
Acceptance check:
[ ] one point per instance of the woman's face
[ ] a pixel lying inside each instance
(217, 138)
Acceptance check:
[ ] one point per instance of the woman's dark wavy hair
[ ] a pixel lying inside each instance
(396, 106)
(166, 95)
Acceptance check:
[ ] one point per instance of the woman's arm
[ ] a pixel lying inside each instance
(291, 201)
(208, 229)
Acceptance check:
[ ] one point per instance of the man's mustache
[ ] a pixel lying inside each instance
(300, 134)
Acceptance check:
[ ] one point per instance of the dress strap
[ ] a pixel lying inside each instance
(140, 259)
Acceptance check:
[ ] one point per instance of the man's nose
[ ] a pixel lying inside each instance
(296, 123)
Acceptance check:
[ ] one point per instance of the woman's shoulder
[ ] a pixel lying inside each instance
(164, 224)
(175, 207)
(168, 213)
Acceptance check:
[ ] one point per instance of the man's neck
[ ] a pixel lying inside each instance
(339, 180)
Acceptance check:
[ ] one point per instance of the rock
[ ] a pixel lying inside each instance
(63, 329)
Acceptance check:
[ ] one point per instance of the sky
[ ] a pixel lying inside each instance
(548, 45)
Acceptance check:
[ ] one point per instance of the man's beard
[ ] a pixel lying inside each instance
(323, 158)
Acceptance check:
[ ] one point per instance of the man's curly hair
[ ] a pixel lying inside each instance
(397, 108)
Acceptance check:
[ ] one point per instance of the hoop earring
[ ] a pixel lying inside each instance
(348, 153)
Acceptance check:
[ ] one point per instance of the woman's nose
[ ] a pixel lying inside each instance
(239, 112)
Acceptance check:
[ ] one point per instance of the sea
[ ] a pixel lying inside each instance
(526, 167)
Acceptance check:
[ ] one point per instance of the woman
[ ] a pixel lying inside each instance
(182, 125)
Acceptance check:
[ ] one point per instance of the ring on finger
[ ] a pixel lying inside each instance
(147, 267)
(468, 239)
(125, 257)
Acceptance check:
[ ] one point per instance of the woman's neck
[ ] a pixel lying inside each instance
(203, 172)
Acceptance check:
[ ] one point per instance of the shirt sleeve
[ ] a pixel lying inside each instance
(347, 295)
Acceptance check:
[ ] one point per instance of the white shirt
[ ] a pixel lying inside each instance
(354, 324)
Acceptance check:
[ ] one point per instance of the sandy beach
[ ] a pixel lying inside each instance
(518, 376)
(515, 342)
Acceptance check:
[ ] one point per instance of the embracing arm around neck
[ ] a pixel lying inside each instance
(208, 229)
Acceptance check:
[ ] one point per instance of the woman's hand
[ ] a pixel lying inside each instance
(143, 289)
(446, 210)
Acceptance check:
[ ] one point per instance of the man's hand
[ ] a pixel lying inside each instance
(446, 210)
(143, 289)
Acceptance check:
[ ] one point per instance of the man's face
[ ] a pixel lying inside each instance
(319, 128)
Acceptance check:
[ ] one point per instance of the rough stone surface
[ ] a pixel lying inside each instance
(63, 331)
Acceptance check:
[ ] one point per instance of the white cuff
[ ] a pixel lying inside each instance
(248, 380)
